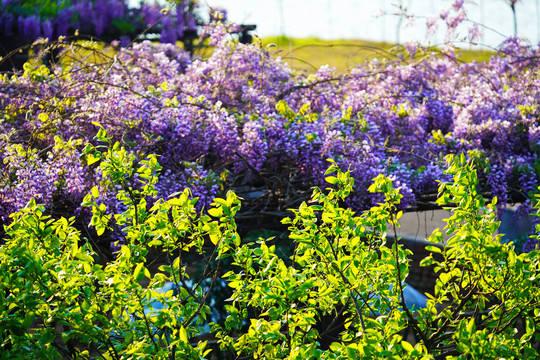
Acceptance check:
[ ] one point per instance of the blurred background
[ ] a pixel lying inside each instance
(378, 20)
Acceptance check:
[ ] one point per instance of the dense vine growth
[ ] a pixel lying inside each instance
(23, 22)
(243, 119)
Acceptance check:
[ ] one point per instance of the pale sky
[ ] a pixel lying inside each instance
(364, 19)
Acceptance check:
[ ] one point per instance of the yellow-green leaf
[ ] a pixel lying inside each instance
(183, 335)
(407, 347)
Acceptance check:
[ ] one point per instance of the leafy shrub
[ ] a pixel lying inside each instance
(57, 299)
(342, 267)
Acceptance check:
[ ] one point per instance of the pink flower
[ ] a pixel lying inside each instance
(455, 20)
(443, 14)
(432, 25)
(475, 33)
(458, 4)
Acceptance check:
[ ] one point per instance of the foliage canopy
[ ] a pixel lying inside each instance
(58, 301)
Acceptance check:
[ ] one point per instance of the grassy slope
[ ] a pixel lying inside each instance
(302, 54)
(309, 54)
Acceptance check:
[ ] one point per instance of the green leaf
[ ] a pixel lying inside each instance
(29, 319)
(220, 201)
(434, 249)
(471, 326)
(215, 237)
(147, 273)
(215, 212)
(138, 274)
(84, 257)
(100, 230)
(183, 335)
(331, 180)
(407, 347)
(93, 158)
(175, 202)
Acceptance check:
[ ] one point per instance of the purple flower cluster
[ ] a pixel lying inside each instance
(102, 18)
(89, 16)
(244, 112)
(55, 178)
